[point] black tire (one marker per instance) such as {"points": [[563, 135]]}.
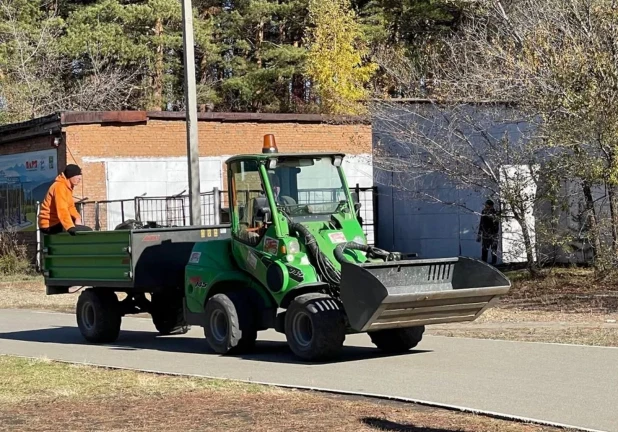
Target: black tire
{"points": [[315, 327], [167, 314], [397, 340], [229, 327], [98, 315]]}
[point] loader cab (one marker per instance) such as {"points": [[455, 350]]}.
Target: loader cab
{"points": [[269, 190], [308, 188]]}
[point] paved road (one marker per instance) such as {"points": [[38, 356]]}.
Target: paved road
{"points": [[571, 385]]}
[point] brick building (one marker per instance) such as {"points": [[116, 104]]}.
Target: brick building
{"points": [[126, 154]]}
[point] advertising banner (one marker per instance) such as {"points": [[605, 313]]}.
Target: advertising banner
{"points": [[24, 180]]}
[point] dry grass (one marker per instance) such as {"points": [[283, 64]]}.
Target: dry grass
{"points": [[29, 380], [502, 314], [87, 398], [579, 336], [29, 293]]}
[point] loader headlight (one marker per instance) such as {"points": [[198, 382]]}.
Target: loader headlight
{"points": [[359, 240], [293, 247]]}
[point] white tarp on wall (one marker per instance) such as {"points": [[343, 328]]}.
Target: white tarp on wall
{"points": [[513, 249], [161, 177], [128, 178]]}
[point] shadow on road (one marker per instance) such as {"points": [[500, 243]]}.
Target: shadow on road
{"points": [[131, 340], [387, 425]]}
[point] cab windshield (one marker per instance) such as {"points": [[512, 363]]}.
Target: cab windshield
{"points": [[307, 186]]}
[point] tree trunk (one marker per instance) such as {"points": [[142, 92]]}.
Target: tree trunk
{"points": [[298, 88], [591, 218], [554, 228], [299, 91], [259, 41], [613, 208], [157, 79], [531, 262]]}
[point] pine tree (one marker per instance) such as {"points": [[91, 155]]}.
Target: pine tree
{"points": [[144, 37], [260, 51], [251, 55], [404, 29], [29, 59]]}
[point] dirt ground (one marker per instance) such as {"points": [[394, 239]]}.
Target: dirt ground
{"points": [[565, 306], [40, 395]]}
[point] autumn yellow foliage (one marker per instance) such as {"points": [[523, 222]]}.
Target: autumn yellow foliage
{"points": [[336, 59]]}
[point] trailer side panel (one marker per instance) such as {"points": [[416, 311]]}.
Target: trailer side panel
{"points": [[87, 259]]}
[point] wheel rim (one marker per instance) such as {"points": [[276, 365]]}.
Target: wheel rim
{"points": [[302, 329], [218, 325], [88, 316]]}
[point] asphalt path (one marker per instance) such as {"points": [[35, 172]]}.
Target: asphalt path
{"points": [[561, 384]]}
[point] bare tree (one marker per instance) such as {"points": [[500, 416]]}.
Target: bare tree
{"points": [[488, 149], [37, 78], [558, 60]]}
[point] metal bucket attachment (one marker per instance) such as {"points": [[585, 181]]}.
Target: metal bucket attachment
{"points": [[410, 293]]}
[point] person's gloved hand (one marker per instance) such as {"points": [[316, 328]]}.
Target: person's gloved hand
{"points": [[72, 231]]}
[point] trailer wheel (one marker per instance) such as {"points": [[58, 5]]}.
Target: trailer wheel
{"points": [[397, 340], [230, 326], [98, 315], [314, 327], [167, 314]]}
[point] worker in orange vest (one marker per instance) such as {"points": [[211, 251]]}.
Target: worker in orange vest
{"points": [[58, 212]]}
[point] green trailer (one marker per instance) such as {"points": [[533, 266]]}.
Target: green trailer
{"points": [[138, 263], [294, 258]]}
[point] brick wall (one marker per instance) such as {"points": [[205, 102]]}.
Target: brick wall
{"points": [[156, 138], [167, 138]]}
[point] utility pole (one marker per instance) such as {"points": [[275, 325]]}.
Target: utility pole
{"points": [[193, 156]]}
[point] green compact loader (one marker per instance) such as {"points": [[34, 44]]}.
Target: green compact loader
{"points": [[294, 258]]}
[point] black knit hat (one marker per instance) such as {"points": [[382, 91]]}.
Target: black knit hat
{"points": [[72, 170]]}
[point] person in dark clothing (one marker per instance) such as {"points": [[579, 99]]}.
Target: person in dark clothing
{"points": [[489, 228]]}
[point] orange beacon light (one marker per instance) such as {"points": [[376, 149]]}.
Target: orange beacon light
{"points": [[269, 144]]}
